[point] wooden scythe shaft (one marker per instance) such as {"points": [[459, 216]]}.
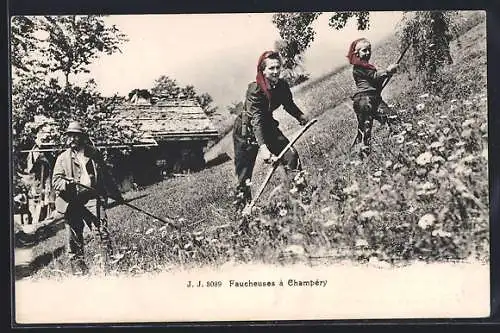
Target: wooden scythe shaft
{"points": [[397, 62], [132, 206], [276, 163]]}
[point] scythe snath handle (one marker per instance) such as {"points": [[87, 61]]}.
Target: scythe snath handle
{"points": [[128, 204], [275, 164], [397, 62]]}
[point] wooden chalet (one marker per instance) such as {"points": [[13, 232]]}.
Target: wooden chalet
{"points": [[175, 133]]}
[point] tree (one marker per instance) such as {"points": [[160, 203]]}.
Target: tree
{"points": [[429, 33], [23, 43], [73, 42], [205, 101], [141, 93], [296, 34], [339, 19], [235, 107], [43, 49], [168, 87], [188, 92], [293, 72], [165, 86]]}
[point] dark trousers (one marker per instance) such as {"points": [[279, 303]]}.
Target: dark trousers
{"points": [[76, 215], [367, 108], [245, 153]]}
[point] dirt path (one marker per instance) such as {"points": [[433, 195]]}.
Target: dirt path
{"points": [[351, 291]]}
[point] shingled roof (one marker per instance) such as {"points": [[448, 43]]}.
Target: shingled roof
{"points": [[169, 120]]}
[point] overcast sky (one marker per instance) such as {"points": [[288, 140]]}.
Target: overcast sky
{"points": [[216, 53]]}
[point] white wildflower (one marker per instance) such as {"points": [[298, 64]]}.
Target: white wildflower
{"points": [[484, 154], [397, 166], [466, 133], [329, 223], [441, 233], [436, 144], [360, 242], [437, 159], [469, 158], [325, 209], [369, 214], [463, 170], [420, 106], [399, 139], [484, 127], [386, 187], [295, 249], [468, 122], [424, 158], [426, 221], [456, 155], [408, 126], [351, 190], [297, 237], [426, 189]]}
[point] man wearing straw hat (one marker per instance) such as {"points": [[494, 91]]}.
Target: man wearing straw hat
{"points": [[82, 164]]}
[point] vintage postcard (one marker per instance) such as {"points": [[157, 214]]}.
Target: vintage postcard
{"points": [[247, 167]]}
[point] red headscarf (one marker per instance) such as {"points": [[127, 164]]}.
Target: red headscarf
{"points": [[261, 79], [354, 58]]}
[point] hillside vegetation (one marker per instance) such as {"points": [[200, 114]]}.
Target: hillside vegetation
{"points": [[421, 195]]}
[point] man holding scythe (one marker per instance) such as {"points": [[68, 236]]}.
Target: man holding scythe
{"points": [[82, 164]]}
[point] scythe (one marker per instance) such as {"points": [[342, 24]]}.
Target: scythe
{"points": [[248, 209]]}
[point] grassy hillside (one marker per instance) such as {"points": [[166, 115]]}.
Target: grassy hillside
{"points": [[422, 194]]}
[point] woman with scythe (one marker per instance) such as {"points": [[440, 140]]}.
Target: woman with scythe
{"points": [[255, 128]]}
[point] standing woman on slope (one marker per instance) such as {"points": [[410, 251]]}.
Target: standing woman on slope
{"points": [[367, 101], [255, 128]]}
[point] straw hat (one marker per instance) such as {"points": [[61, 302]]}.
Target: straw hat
{"points": [[75, 127]]}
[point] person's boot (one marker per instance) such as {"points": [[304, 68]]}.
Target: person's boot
{"points": [[364, 152], [243, 196]]}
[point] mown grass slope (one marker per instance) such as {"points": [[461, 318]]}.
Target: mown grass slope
{"points": [[421, 195]]}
